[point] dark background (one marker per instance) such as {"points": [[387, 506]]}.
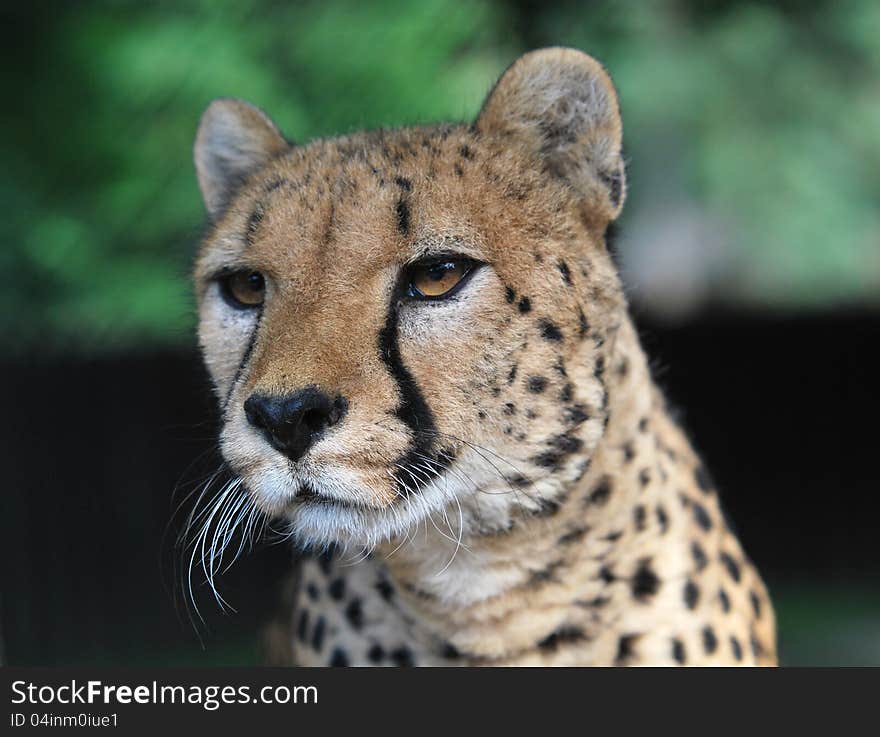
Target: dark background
{"points": [[750, 246]]}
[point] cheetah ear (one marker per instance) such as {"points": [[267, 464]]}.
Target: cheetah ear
{"points": [[561, 104], [235, 139]]}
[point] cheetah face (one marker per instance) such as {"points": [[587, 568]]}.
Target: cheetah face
{"points": [[408, 328]]}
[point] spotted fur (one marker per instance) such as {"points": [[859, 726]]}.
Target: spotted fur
{"points": [[507, 486]]}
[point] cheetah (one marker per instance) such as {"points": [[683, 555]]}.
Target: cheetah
{"points": [[428, 376]]}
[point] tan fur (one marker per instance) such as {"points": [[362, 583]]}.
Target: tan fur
{"points": [[573, 523]]}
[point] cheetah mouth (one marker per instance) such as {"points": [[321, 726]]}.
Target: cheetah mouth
{"points": [[306, 495]]}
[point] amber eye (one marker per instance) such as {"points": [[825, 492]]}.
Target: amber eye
{"points": [[243, 289], [437, 278]]}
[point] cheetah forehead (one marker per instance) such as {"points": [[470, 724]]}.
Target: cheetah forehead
{"points": [[542, 162]]}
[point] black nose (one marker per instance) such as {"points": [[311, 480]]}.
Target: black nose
{"points": [[292, 422]]}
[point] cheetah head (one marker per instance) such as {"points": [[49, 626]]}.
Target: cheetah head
{"points": [[409, 327]]}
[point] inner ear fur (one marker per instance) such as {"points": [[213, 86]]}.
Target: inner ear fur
{"points": [[234, 140], [562, 106]]}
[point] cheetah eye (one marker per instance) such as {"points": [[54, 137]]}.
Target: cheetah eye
{"points": [[243, 290], [438, 278]]}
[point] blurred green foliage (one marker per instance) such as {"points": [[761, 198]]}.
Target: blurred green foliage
{"points": [[766, 115]]}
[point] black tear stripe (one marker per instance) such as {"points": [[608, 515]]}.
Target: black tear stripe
{"points": [[246, 357], [414, 412]]}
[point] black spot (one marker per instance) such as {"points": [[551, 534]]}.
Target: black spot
{"points": [[313, 592], [562, 447], [724, 599], [701, 516], [404, 183], [731, 565], [613, 537], [549, 331], [614, 181], [601, 491], [402, 657], [401, 210], [699, 555], [678, 651], [736, 648], [274, 184], [547, 507], [339, 659], [318, 634], [376, 654], [644, 477], [325, 559], [567, 443], [757, 648], [625, 648], [644, 581], [639, 517], [509, 409], [607, 575], [628, 453], [566, 393], [512, 374], [524, 305], [421, 593], [354, 613], [704, 480], [509, 295], [662, 519], [575, 415], [450, 652], [385, 589], [710, 642], [537, 384], [519, 480], [459, 172], [599, 368], [466, 152], [573, 536], [583, 325], [756, 603], [337, 589], [598, 601], [565, 271], [546, 574], [560, 637], [691, 595], [643, 424], [302, 626], [256, 217]]}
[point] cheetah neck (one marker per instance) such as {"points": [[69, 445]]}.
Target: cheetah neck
{"points": [[571, 575]]}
